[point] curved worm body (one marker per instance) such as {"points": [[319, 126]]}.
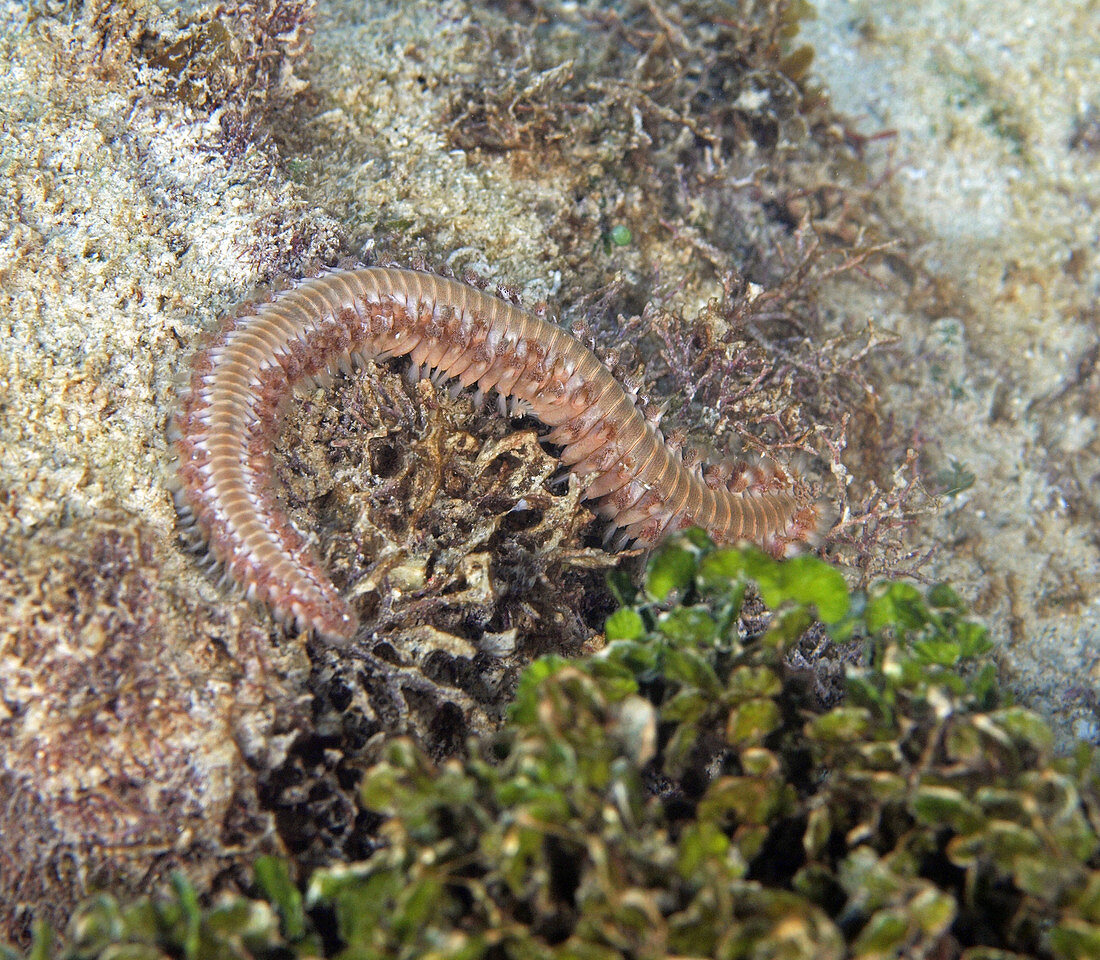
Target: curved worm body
{"points": [[229, 416]]}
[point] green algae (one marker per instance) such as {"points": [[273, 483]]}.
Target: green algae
{"points": [[684, 796]]}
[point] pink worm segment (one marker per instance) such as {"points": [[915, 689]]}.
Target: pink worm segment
{"points": [[229, 417]]}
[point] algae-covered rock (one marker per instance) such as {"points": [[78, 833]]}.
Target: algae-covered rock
{"points": [[666, 172], [123, 726]]}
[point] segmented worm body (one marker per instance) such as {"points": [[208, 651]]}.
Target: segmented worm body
{"points": [[228, 418]]}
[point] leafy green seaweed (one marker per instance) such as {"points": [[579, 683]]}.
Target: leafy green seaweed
{"points": [[682, 793]]}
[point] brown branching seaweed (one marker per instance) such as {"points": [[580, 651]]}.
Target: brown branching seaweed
{"points": [[712, 121]]}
